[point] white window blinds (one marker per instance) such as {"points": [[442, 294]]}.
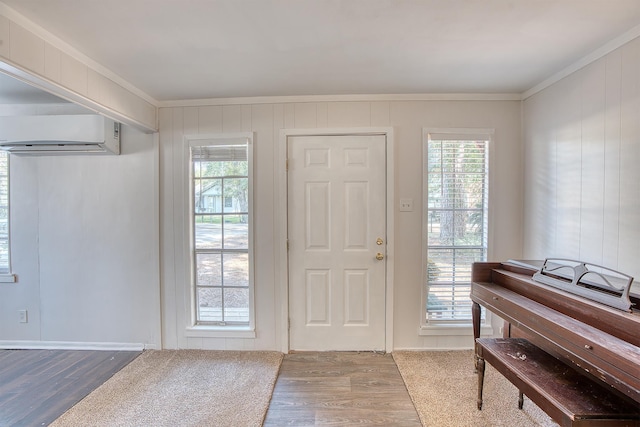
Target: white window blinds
{"points": [[220, 153], [456, 190]]}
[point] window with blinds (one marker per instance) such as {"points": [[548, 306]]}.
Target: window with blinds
{"points": [[4, 213], [455, 221], [221, 202]]}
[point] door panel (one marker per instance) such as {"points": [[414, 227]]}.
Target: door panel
{"points": [[357, 288], [317, 218], [336, 213], [318, 296]]}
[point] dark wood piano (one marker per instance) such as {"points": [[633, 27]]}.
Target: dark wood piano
{"points": [[576, 358]]}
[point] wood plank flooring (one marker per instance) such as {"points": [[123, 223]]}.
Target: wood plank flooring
{"points": [[313, 389], [37, 386], [340, 389]]}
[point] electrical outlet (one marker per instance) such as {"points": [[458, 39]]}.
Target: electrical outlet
{"points": [[22, 314], [406, 205]]}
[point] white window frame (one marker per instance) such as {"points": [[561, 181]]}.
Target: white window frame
{"points": [[452, 327], [5, 270], [216, 330]]}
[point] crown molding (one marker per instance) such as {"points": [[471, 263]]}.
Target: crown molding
{"points": [[342, 98], [585, 60], [74, 53]]}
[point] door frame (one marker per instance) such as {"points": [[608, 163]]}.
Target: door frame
{"points": [[281, 223]]}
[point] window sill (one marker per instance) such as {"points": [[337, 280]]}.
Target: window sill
{"points": [[220, 332], [8, 278], [442, 329]]}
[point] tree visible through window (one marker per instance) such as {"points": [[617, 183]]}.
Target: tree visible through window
{"points": [[221, 198], [456, 185]]}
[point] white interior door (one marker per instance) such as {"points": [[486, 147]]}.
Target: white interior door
{"points": [[337, 240]]}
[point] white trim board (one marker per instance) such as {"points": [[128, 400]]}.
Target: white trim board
{"points": [[342, 98], [68, 345], [24, 75], [438, 349]]}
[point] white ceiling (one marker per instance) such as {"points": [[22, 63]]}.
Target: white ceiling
{"points": [[189, 49]]}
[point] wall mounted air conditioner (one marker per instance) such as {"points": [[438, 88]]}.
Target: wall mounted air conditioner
{"points": [[59, 134]]}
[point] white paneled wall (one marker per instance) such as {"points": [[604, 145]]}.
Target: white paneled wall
{"points": [[582, 157], [84, 248], [408, 119]]}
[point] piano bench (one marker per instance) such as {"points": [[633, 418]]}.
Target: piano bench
{"points": [[568, 397]]}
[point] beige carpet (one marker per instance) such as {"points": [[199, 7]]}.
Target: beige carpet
{"points": [[182, 388], [443, 387]]}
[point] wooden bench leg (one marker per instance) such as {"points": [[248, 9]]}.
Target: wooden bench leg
{"points": [[480, 368], [520, 400]]}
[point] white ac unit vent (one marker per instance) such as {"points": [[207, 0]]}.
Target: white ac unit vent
{"points": [[59, 134]]}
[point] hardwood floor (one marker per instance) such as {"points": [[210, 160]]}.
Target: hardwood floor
{"points": [[37, 386], [340, 389], [313, 389]]}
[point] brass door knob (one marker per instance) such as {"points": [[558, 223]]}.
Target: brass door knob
{"points": [[379, 241], [379, 256]]}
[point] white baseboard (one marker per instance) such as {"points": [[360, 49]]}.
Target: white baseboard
{"points": [[65, 345], [432, 349]]}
